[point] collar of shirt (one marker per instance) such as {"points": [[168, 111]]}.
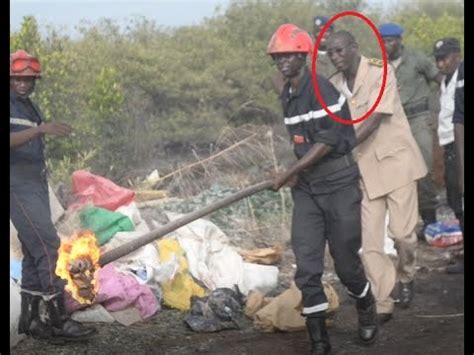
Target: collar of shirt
{"points": [[305, 81], [345, 89], [17, 97], [451, 82]]}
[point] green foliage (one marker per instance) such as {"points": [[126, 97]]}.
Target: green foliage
{"points": [[132, 93], [63, 169], [265, 207], [28, 38], [107, 97], [425, 22]]}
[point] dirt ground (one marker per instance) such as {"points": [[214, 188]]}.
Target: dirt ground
{"points": [[434, 324]]}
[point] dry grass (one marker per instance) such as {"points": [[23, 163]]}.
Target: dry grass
{"points": [[241, 156]]}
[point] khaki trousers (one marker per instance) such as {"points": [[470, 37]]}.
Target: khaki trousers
{"points": [[402, 207]]}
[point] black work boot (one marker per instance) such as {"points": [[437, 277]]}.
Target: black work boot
{"points": [[30, 321], [407, 292], [367, 312], [318, 333], [63, 326]]}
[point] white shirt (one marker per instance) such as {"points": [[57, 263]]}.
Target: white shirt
{"points": [[445, 118]]}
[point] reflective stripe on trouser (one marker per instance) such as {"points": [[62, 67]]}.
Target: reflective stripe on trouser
{"points": [[334, 217], [423, 135], [31, 215], [402, 208]]}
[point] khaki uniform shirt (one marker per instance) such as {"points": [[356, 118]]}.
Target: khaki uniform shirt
{"points": [[389, 158], [414, 73]]}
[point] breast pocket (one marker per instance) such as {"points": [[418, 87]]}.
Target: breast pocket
{"points": [[390, 151], [358, 107]]}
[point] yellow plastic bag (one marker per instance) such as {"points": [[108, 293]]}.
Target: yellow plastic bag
{"points": [[177, 293]]}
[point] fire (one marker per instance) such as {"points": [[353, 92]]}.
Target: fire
{"points": [[78, 264]]}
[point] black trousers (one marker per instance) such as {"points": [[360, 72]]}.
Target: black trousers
{"points": [[453, 194], [335, 217], [30, 213]]}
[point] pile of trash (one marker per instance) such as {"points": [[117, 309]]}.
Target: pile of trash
{"points": [[193, 269]]}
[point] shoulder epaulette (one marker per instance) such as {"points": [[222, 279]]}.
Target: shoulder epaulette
{"points": [[376, 62]]}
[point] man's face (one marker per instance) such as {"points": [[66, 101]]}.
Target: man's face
{"points": [[392, 46], [447, 64], [341, 52], [289, 64], [316, 30], [22, 85]]}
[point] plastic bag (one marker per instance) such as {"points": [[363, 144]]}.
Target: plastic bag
{"points": [[105, 224], [443, 234], [177, 292], [98, 190]]}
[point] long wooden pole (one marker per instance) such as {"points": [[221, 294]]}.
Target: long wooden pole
{"points": [[129, 247]]}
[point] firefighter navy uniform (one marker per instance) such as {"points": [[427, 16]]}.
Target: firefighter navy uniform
{"points": [[29, 204], [327, 196]]}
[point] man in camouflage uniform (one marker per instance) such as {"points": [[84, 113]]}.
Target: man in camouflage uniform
{"points": [[414, 72]]}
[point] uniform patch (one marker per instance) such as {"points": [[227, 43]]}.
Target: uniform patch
{"points": [[376, 62], [298, 139]]}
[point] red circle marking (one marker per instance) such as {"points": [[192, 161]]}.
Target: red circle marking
{"points": [[313, 67]]}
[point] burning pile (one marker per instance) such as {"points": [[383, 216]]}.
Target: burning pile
{"points": [[78, 264]]}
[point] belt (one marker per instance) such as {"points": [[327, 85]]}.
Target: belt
{"points": [[329, 167], [414, 109]]}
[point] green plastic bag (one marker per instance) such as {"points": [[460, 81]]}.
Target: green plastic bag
{"points": [[104, 223]]}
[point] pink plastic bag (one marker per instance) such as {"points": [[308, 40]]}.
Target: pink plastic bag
{"points": [[98, 190], [118, 291]]}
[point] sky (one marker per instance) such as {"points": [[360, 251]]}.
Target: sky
{"points": [[68, 13]]}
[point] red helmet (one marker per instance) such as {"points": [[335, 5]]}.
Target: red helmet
{"points": [[23, 64], [289, 38]]}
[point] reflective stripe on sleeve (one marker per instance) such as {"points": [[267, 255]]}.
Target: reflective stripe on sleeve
{"points": [[22, 122]]}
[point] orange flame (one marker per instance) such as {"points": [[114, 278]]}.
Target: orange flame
{"points": [[78, 264]]}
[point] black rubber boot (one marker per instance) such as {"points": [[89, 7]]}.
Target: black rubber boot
{"points": [[30, 321], [367, 312], [318, 333], [64, 328]]}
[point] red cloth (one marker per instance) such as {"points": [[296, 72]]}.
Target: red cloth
{"points": [[101, 192]]}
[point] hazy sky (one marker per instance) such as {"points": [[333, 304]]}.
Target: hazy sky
{"points": [[68, 13]]}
